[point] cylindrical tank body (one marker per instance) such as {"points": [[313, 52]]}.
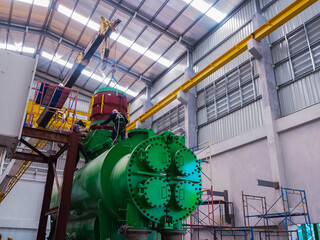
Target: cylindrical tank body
{"points": [[104, 101], [147, 181]]}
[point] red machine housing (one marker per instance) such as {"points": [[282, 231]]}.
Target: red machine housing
{"points": [[105, 100]]}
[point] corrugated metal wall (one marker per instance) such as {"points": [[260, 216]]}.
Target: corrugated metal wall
{"points": [[276, 6], [296, 58], [235, 123], [172, 121], [229, 101]]}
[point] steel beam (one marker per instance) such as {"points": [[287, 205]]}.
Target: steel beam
{"points": [[288, 13], [265, 183], [45, 135], [68, 43], [29, 157], [148, 22], [33, 148]]}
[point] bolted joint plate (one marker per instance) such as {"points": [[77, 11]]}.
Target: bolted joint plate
{"points": [[157, 166]]}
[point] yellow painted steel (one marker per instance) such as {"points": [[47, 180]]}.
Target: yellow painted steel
{"points": [[37, 110], [90, 108], [102, 104], [129, 112], [284, 16]]}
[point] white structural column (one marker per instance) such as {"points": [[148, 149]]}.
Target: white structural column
{"points": [[146, 105], [271, 110], [188, 99]]}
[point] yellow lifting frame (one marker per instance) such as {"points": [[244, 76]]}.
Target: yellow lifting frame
{"points": [[268, 27]]}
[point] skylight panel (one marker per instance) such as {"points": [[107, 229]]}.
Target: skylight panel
{"points": [[121, 88], [152, 55], [203, 7], [28, 49], [79, 18], [97, 77], [93, 25], [64, 10], [47, 55], [13, 47], [17, 48], [114, 35], [86, 73], [138, 48], [165, 62], [56, 59], [41, 3], [124, 41], [132, 93], [216, 15]]}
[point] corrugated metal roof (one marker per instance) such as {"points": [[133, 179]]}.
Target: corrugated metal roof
{"points": [[158, 31]]}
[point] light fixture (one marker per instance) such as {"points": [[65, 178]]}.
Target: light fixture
{"points": [[203, 7], [41, 3]]}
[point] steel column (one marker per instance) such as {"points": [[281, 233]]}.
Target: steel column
{"points": [[46, 201], [63, 212]]}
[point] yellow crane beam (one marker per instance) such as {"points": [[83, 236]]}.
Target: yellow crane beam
{"points": [[268, 27]]}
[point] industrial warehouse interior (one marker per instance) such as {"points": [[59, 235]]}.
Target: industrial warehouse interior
{"points": [[159, 119]]}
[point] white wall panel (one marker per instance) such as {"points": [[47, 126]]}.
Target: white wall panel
{"points": [[235, 123]]}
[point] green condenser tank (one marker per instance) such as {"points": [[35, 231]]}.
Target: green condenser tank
{"points": [[141, 188]]}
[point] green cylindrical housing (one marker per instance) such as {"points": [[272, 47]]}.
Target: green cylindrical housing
{"points": [[144, 182]]}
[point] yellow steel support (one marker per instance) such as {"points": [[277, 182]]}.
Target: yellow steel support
{"points": [[37, 110], [102, 104], [90, 108], [284, 16], [129, 112]]}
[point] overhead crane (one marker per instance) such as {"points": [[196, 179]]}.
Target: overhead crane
{"points": [[106, 28], [268, 27]]}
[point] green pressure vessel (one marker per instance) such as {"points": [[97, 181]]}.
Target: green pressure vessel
{"points": [[145, 183]]}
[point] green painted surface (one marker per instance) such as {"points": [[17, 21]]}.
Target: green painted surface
{"points": [[316, 229], [138, 183], [109, 89], [97, 142]]}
